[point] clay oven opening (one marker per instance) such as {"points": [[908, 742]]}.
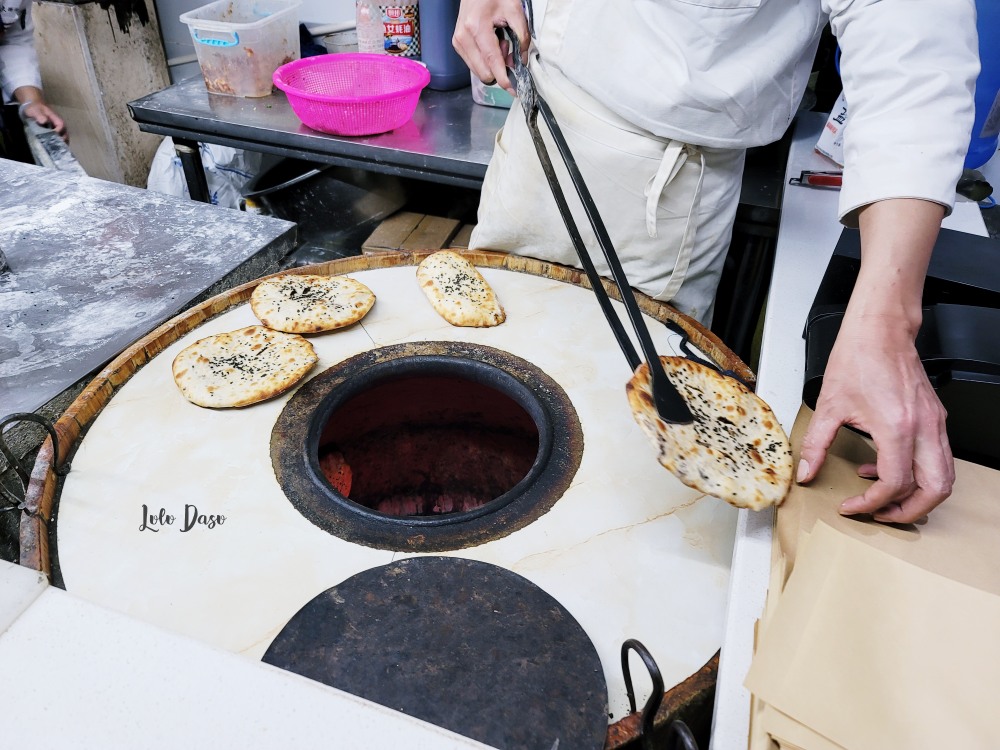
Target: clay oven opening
{"points": [[422, 445], [427, 446]]}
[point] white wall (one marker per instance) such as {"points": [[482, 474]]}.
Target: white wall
{"points": [[326, 11]]}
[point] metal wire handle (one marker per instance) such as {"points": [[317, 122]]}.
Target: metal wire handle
{"points": [[23, 472], [690, 353], [679, 735]]}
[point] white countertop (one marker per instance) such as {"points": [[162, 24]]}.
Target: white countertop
{"points": [[807, 235]]}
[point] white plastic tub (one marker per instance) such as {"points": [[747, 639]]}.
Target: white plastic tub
{"points": [[345, 40], [490, 96], [240, 43]]}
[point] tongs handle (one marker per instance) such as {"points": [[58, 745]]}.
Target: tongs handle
{"points": [[669, 403]]}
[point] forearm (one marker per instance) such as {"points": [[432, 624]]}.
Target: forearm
{"points": [[28, 95], [909, 70], [897, 237]]}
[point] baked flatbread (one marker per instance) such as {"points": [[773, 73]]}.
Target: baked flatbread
{"points": [[242, 367], [303, 303], [734, 450], [458, 291], [336, 470]]}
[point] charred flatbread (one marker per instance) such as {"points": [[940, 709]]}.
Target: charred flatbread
{"points": [[242, 367], [307, 303], [458, 292], [734, 450]]}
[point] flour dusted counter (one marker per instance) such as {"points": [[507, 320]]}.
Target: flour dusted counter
{"points": [[94, 265]]}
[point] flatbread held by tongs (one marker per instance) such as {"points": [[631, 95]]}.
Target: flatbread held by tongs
{"points": [[734, 450]]}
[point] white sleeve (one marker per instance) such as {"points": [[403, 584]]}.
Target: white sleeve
{"points": [[18, 61], [909, 69]]}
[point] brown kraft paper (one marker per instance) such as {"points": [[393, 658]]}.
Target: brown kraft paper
{"points": [[880, 636]]}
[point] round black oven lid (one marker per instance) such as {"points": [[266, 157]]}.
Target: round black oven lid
{"points": [[462, 644]]}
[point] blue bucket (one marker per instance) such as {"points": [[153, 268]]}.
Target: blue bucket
{"points": [[986, 127]]}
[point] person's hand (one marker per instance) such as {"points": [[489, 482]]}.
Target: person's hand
{"points": [[874, 380], [477, 43], [33, 106], [45, 116]]}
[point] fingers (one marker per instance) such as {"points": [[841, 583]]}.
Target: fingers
{"points": [[58, 124], [933, 479], [476, 42], [914, 472], [868, 471], [815, 443], [45, 116], [519, 25], [894, 469], [913, 476]]}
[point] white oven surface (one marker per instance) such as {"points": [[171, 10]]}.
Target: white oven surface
{"points": [[628, 550]]}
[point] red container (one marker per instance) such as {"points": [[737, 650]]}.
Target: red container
{"points": [[353, 94]]}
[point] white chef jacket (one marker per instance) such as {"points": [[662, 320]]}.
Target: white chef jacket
{"points": [[731, 74], [18, 61]]}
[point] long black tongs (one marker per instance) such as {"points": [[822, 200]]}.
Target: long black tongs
{"points": [[669, 403]]}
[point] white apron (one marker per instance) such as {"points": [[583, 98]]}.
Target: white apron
{"points": [[668, 206]]}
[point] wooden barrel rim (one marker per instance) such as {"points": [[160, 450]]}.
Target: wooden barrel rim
{"points": [[41, 497]]}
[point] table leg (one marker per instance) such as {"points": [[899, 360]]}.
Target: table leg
{"points": [[194, 170]]}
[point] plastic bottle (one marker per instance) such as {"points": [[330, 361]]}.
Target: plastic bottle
{"points": [[437, 26], [401, 28], [987, 124], [371, 34]]}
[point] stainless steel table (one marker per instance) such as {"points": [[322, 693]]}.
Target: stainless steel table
{"points": [[449, 140], [95, 265]]}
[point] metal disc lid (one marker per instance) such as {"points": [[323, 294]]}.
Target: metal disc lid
{"points": [[463, 644]]}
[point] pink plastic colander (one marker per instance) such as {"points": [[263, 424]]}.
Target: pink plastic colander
{"points": [[352, 94]]}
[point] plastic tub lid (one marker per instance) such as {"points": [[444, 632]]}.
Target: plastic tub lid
{"points": [[264, 11]]}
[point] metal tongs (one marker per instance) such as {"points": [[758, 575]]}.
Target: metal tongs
{"points": [[670, 405]]}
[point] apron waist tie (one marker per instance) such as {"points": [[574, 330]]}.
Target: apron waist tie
{"points": [[674, 158]]}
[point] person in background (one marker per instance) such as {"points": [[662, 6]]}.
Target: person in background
{"points": [[659, 101], [20, 79]]}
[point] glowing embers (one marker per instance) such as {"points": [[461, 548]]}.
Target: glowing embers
{"points": [[427, 446], [421, 445]]}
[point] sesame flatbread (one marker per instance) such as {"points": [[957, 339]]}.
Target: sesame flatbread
{"points": [[458, 292], [306, 303], [734, 450], [242, 367]]}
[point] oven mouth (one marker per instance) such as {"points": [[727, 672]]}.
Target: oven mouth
{"points": [[427, 446], [391, 382]]}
